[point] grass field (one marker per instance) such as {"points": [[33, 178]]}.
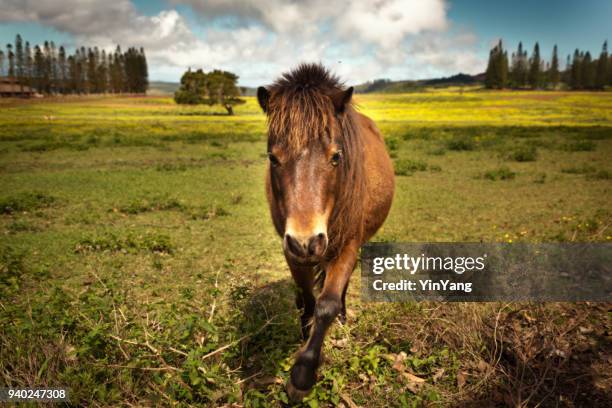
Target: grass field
{"points": [[138, 264]]}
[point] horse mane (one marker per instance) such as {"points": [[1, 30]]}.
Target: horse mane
{"points": [[301, 111]]}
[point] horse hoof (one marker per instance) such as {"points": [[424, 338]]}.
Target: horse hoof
{"points": [[342, 318], [295, 394]]}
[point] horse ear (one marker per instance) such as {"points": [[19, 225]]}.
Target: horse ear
{"points": [[263, 96], [341, 99]]}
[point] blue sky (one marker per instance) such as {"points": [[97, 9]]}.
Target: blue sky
{"points": [[259, 39]]}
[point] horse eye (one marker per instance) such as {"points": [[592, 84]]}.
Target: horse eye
{"points": [[273, 159], [336, 158]]}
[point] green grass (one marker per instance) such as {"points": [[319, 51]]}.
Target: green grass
{"points": [[138, 263]]}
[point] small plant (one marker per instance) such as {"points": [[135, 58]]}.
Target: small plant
{"points": [[502, 173], [525, 153], [392, 143], [584, 169], [131, 243], [155, 204], [438, 151], [579, 146], [461, 143], [600, 175], [406, 167], [25, 202]]}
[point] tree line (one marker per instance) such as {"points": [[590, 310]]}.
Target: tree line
{"points": [[51, 70], [214, 87], [521, 71]]}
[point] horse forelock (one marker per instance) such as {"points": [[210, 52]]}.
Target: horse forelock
{"points": [[300, 109]]}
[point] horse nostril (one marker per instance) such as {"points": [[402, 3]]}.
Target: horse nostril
{"points": [[317, 244], [294, 245]]}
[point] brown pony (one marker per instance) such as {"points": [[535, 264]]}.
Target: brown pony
{"points": [[330, 186]]}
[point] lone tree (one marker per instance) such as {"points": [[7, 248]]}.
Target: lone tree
{"points": [[214, 88]]}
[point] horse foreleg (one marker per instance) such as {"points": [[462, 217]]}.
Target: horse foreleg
{"points": [[342, 316], [328, 305], [304, 298]]}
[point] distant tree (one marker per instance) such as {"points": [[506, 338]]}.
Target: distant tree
{"points": [[53, 71], [576, 71], [535, 67], [62, 69], [610, 70], [91, 71], [553, 71], [29, 62], [1, 63], [11, 60], [102, 74], [588, 71], [601, 76], [496, 75], [518, 71], [39, 69], [215, 87], [46, 76], [19, 60], [193, 88]]}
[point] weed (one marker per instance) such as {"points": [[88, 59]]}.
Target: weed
{"points": [[599, 175], [406, 167], [27, 201], [579, 146], [501, 173], [461, 143], [130, 243], [525, 153], [583, 169]]}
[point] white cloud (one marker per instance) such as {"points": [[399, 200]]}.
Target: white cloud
{"points": [[359, 39]]}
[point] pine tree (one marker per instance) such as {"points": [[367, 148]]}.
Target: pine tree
{"points": [[601, 77], [496, 76], [588, 71], [553, 71], [610, 70], [62, 70], [534, 68], [11, 60], [39, 69], [490, 80], [46, 77], [19, 60], [1, 63], [28, 64], [518, 72], [53, 68], [576, 71], [72, 75]]}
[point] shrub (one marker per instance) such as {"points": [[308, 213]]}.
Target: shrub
{"points": [[461, 142], [579, 146], [584, 169], [600, 175], [502, 173], [130, 243], [404, 167], [525, 154], [392, 143], [27, 201]]}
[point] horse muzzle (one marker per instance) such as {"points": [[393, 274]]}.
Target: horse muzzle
{"points": [[305, 248]]}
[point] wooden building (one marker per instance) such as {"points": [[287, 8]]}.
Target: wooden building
{"points": [[10, 87]]}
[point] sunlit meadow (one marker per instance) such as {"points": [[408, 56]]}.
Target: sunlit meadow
{"points": [[138, 264]]}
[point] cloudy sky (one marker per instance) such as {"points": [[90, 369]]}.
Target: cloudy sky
{"points": [[359, 39]]}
